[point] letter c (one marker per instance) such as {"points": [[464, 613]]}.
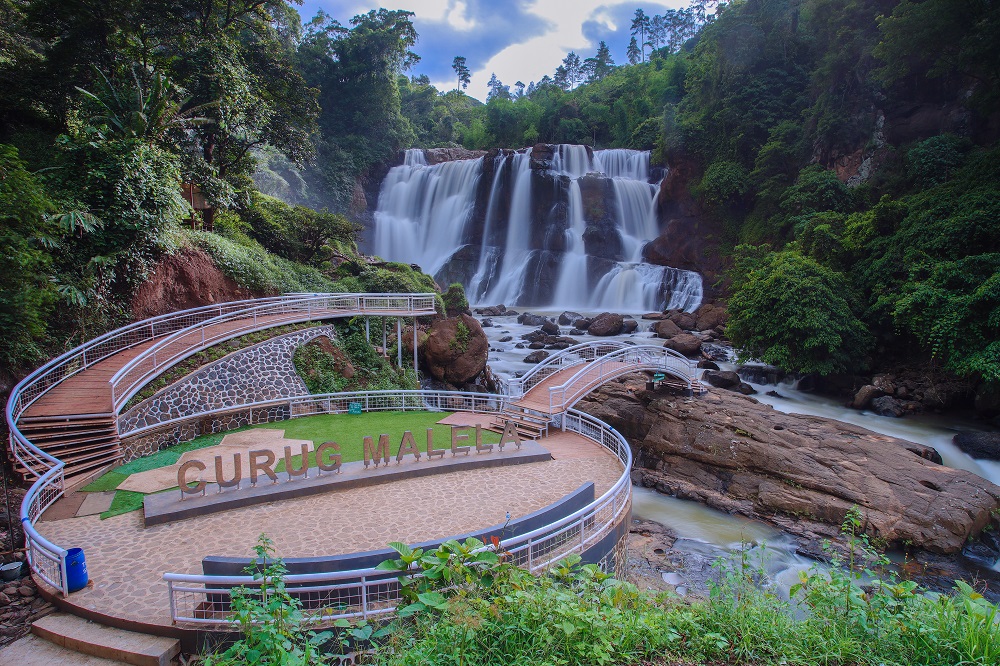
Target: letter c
{"points": [[182, 477]]}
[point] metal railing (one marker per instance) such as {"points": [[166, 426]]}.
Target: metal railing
{"points": [[202, 334], [618, 363], [363, 593], [566, 358], [49, 560], [339, 403]]}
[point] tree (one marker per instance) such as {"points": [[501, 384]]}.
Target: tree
{"points": [[573, 68], [519, 90], [600, 65], [792, 312], [640, 27], [633, 52], [497, 89], [464, 77]]}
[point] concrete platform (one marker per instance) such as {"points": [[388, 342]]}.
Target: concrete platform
{"points": [[169, 506], [80, 635]]}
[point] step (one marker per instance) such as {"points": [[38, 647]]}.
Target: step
{"points": [[52, 434], [62, 419], [34, 651], [80, 635], [501, 421]]}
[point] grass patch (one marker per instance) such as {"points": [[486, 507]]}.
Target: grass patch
{"points": [[124, 501], [106, 482]]}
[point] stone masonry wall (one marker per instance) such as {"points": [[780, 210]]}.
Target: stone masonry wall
{"points": [[262, 372]]}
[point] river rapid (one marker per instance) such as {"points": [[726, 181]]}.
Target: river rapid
{"points": [[704, 534]]}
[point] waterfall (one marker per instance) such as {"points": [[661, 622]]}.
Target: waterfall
{"points": [[532, 249], [422, 210], [571, 288], [517, 251]]}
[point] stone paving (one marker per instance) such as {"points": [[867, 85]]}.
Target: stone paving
{"points": [[126, 561]]}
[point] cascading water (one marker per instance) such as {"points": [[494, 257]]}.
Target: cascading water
{"points": [[521, 252], [422, 210]]}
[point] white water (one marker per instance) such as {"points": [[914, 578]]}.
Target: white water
{"points": [[422, 210], [423, 213]]}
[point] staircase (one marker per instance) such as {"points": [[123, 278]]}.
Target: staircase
{"points": [[78, 635], [85, 442], [530, 424]]}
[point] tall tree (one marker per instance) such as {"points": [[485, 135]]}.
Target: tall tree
{"points": [[600, 65], [574, 69], [462, 71], [497, 89], [633, 52], [640, 27], [519, 90]]}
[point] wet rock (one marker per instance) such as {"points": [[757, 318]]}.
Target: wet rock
{"points": [[654, 316], [605, 324], [506, 338], [577, 331], [725, 450], [493, 311], [979, 444], [550, 327], [761, 374], [666, 329], [686, 320], [685, 343], [888, 406], [716, 352], [722, 379], [710, 316], [536, 356], [746, 389], [567, 318], [531, 319], [708, 365], [583, 323], [885, 383], [486, 323], [536, 345], [558, 345], [629, 325], [981, 553], [865, 395]]}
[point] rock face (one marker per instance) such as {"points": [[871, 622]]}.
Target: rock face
{"points": [[606, 323], [666, 329], [438, 155], [188, 279], [803, 473], [452, 357]]}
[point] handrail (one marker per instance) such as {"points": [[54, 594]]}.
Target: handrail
{"points": [[635, 358], [298, 406], [150, 362], [574, 355], [47, 559], [198, 599]]}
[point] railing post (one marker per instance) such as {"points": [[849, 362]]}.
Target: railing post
{"points": [[173, 604], [364, 597]]}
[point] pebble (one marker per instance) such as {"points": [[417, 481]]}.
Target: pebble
{"points": [[26, 591], [4, 599]]}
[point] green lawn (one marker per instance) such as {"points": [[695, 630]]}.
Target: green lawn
{"points": [[346, 429]]}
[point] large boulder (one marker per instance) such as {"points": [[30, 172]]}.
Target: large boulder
{"points": [[536, 356], [685, 343], [606, 323], [686, 320], [531, 319], [568, 318], [865, 395], [723, 379], [803, 473], [888, 406], [455, 350], [979, 444], [666, 329], [710, 316], [629, 325], [550, 327]]}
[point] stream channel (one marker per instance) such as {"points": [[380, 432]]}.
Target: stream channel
{"points": [[704, 534]]}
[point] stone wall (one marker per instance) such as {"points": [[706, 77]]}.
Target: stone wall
{"points": [[256, 374], [167, 436]]}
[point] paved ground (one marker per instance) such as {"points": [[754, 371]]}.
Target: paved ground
{"points": [[34, 651], [126, 561]]}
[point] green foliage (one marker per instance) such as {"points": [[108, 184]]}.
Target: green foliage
{"points": [[322, 372], [792, 312], [298, 233], [26, 295], [461, 340], [455, 300], [934, 160], [270, 619]]}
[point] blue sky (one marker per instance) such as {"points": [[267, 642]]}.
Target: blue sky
{"points": [[518, 39]]}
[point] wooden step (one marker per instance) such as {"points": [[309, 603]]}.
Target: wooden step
{"points": [[77, 443], [75, 633], [30, 421], [60, 433], [502, 420]]}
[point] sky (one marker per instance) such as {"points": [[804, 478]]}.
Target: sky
{"points": [[519, 40]]}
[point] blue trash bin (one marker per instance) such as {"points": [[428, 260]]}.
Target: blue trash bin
{"points": [[76, 570]]}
